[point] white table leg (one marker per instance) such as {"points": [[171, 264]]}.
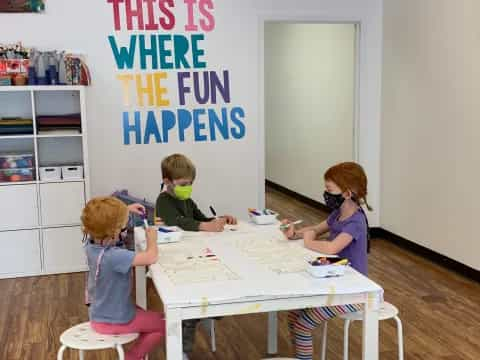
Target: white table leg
{"points": [[209, 325], [272, 333], [173, 341], [370, 332], [141, 286]]}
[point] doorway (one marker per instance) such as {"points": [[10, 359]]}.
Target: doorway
{"points": [[310, 101]]}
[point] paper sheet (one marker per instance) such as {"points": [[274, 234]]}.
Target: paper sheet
{"points": [[193, 262], [275, 252]]}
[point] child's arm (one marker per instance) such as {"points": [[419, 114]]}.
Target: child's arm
{"points": [[327, 247], [319, 229], [136, 208], [216, 225], [199, 215], [150, 255], [292, 233], [206, 223]]}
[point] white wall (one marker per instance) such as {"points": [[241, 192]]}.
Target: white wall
{"points": [[309, 102], [430, 127], [230, 173], [369, 15]]}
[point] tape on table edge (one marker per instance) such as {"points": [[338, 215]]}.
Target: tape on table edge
{"points": [[332, 291], [204, 305], [250, 309]]}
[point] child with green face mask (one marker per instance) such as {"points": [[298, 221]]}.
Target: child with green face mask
{"points": [[175, 207]]}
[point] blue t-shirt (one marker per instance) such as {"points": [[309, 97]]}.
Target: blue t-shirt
{"points": [[110, 295], [356, 226]]}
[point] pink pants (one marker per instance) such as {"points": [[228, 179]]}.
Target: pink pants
{"points": [[150, 325]]}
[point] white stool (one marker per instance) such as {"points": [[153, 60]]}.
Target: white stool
{"points": [[387, 311], [82, 337]]}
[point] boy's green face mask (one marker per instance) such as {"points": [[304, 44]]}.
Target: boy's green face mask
{"points": [[183, 192]]}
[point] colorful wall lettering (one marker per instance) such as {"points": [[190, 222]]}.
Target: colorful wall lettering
{"points": [[154, 53]]}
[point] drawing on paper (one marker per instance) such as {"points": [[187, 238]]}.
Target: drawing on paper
{"points": [[190, 263], [276, 253]]}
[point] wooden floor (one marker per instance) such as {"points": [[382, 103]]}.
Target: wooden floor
{"points": [[440, 311]]}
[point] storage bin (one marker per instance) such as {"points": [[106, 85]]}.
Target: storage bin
{"points": [[73, 172], [50, 173], [327, 269], [263, 217], [15, 175], [16, 161], [169, 234]]}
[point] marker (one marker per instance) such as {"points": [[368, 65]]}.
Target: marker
{"points": [[214, 213], [341, 262], [145, 221], [163, 230], [286, 226], [254, 212]]}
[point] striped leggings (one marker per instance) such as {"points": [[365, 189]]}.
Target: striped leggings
{"points": [[302, 322]]}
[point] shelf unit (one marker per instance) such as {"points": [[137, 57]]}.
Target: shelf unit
{"points": [[40, 229]]}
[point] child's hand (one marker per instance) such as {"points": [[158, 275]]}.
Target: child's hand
{"points": [[216, 225], [159, 221], [290, 231], [230, 219], [138, 209], [150, 255], [152, 234]]}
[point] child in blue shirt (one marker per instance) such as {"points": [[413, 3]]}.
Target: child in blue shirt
{"points": [[112, 310]]}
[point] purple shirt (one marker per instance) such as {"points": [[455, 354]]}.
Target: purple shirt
{"points": [[356, 226]]}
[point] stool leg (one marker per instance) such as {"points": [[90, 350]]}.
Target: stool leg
{"points": [[81, 354], [60, 352], [324, 340], [400, 337], [346, 329], [121, 354], [212, 335]]}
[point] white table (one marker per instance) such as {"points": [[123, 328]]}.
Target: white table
{"points": [[257, 289]]}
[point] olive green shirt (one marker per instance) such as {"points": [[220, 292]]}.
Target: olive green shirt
{"points": [[182, 213]]}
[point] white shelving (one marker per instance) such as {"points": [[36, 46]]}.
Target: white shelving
{"points": [[40, 220], [58, 136], [7, 137]]}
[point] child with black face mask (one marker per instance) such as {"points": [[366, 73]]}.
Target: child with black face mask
{"points": [[345, 193]]}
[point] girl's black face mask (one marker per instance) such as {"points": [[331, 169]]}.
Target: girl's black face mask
{"points": [[333, 201]]}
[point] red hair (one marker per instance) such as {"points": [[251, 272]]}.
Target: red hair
{"points": [[104, 217], [350, 176]]}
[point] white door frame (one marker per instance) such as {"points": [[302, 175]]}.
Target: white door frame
{"points": [[306, 19]]}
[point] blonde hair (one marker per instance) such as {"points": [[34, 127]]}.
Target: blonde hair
{"points": [[104, 217], [178, 166]]}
